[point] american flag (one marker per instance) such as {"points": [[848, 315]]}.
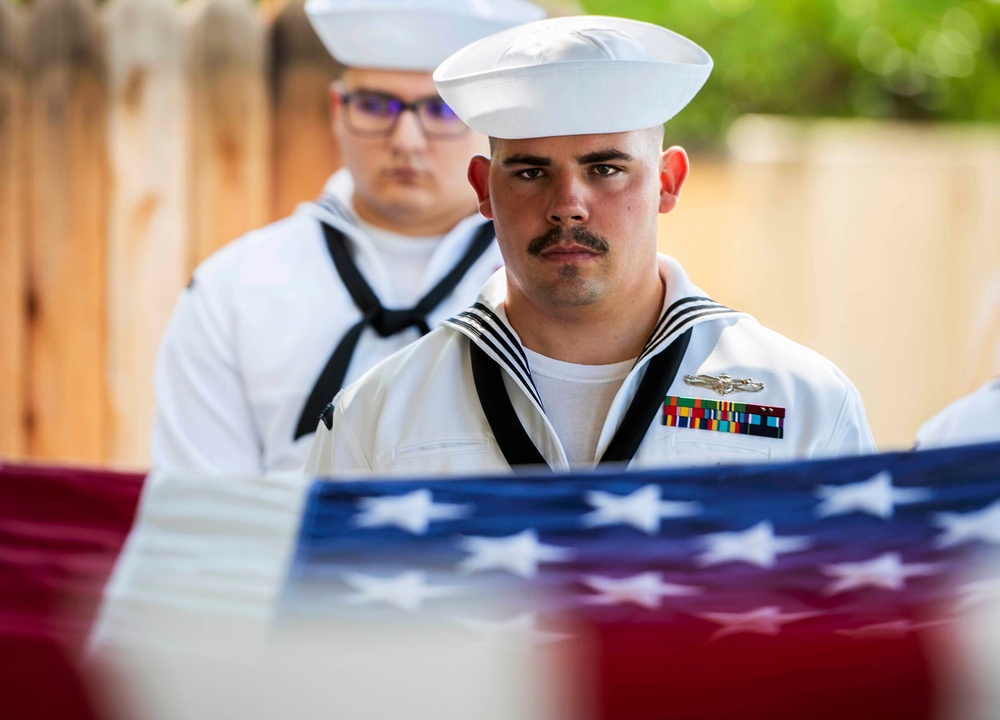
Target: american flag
{"points": [[830, 588], [860, 587]]}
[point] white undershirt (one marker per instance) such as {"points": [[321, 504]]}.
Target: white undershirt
{"points": [[576, 399], [406, 259]]}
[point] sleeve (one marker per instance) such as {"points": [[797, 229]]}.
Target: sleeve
{"points": [[203, 421], [336, 451], [931, 433], [851, 435], [973, 418]]}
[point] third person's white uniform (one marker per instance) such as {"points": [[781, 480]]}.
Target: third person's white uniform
{"points": [[974, 418]]}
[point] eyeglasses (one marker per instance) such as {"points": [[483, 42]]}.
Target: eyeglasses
{"points": [[376, 114]]}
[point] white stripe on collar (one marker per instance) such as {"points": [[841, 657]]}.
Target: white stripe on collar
{"points": [[485, 323]]}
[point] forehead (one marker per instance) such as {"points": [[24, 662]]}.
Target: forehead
{"points": [[569, 148], [403, 84]]}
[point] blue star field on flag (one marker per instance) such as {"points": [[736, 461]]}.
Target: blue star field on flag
{"points": [[855, 546]]}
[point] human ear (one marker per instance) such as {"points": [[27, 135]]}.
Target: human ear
{"points": [[674, 166], [479, 178]]}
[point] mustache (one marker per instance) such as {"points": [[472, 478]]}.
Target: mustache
{"points": [[558, 235]]}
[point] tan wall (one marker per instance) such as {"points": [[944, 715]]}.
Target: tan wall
{"points": [[136, 137], [876, 244]]}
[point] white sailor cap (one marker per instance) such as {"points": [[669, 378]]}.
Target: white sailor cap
{"points": [[410, 34], [577, 75]]}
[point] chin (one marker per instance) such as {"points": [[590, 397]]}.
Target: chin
{"points": [[407, 207], [405, 197], [572, 292]]}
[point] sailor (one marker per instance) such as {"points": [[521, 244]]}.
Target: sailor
{"points": [[588, 347], [276, 322], [973, 418]]}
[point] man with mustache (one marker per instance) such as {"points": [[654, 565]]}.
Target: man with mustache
{"points": [[275, 323], [588, 346]]}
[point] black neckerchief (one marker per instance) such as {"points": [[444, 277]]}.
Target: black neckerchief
{"points": [[517, 447], [385, 322]]}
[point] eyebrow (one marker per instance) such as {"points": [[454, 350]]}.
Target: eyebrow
{"points": [[599, 156], [370, 91], [387, 94], [537, 160]]}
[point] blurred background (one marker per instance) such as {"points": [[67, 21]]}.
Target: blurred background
{"points": [[845, 188]]}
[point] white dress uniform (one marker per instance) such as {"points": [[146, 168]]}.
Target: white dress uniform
{"points": [[259, 322], [972, 419], [424, 411]]}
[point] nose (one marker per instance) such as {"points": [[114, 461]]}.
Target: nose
{"points": [[408, 137], [568, 204]]}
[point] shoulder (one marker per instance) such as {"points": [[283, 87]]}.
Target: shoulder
{"points": [[972, 418], [264, 256], [824, 412], [421, 402], [745, 342], [424, 388], [740, 341], [425, 367]]}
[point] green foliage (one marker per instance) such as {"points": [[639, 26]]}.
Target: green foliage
{"points": [[905, 59]]}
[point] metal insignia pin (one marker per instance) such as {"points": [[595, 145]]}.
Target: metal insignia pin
{"points": [[724, 384]]}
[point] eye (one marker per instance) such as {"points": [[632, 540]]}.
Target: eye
{"points": [[380, 105], [530, 173], [606, 170], [438, 109]]}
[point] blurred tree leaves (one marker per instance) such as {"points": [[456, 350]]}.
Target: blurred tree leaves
{"points": [[905, 59]]}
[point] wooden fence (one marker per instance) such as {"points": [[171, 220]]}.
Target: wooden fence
{"points": [[139, 136], [135, 139]]}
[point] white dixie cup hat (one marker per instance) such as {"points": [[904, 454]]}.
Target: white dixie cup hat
{"points": [[410, 34], [577, 75]]}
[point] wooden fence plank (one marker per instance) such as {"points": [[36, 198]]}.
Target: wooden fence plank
{"points": [[13, 245], [68, 216], [230, 123], [147, 226], [304, 150]]}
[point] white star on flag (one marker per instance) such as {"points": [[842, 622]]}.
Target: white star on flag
{"points": [[645, 589], [641, 509], [757, 545], [763, 621], [886, 572], [519, 554], [412, 512], [407, 591], [978, 593], [518, 633], [875, 496], [964, 527]]}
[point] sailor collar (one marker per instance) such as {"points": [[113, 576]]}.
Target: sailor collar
{"points": [[486, 324], [334, 207]]}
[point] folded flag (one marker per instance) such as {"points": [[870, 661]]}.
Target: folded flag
{"points": [[864, 587], [806, 589], [61, 530]]}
